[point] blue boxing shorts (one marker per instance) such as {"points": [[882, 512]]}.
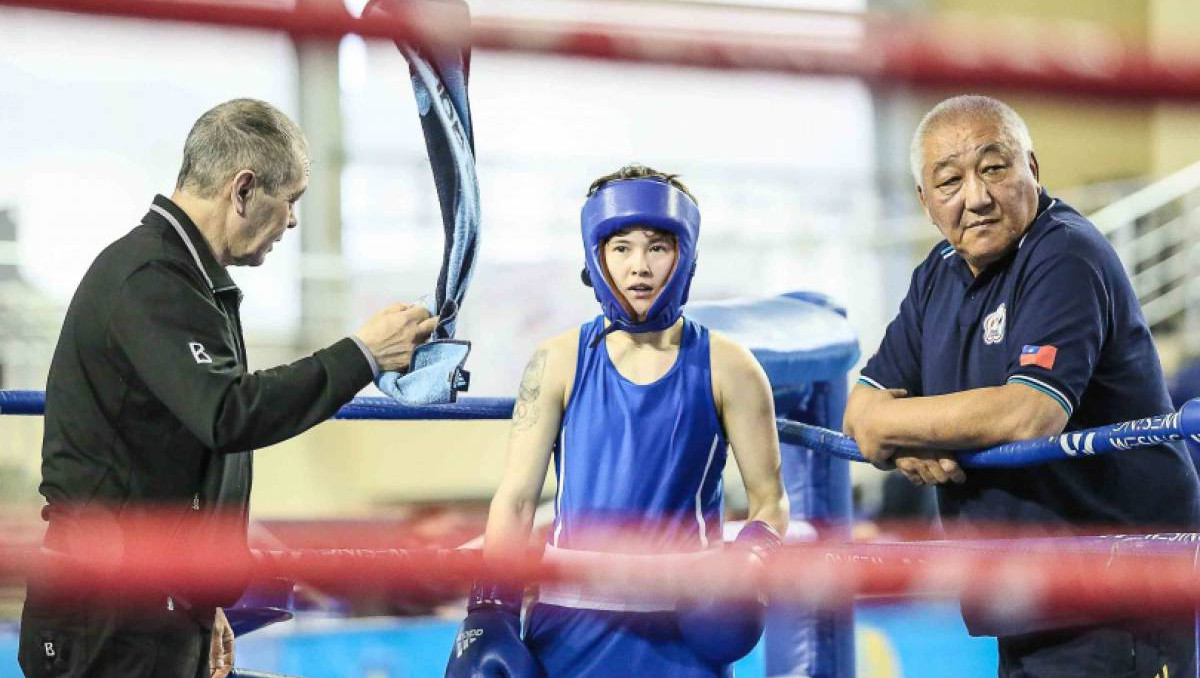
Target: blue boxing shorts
{"points": [[585, 631], [584, 643]]}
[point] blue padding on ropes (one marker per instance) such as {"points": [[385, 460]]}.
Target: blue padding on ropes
{"points": [[799, 338]]}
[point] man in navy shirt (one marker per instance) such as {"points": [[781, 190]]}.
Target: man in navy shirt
{"points": [[1022, 323]]}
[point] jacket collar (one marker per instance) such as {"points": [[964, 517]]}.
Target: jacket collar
{"points": [[170, 216]]}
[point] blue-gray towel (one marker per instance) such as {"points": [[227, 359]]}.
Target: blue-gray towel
{"points": [[439, 77]]}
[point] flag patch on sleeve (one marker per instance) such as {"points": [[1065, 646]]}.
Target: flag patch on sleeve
{"points": [[1042, 356]]}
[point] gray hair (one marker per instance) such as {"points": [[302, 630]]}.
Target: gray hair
{"points": [[967, 106], [237, 135]]}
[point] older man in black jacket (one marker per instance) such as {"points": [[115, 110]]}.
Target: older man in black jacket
{"points": [[151, 411]]}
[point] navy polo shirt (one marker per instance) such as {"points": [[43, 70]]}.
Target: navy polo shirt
{"points": [[1058, 314]]}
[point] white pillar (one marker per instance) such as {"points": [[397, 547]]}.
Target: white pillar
{"points": [[324, 281]]}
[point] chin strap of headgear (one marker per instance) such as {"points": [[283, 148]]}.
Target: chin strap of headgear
{"points": [[646, 203]]}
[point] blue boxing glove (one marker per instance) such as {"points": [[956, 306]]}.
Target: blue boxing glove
{"points": [[488, 644], [722, 631]]}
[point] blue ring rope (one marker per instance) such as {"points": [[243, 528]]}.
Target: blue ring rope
{"points": [[1174, 426], [1156, 430], [379, 408]]}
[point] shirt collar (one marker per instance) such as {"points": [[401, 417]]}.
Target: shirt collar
{"points": [[171, 216], [1045, 202]]}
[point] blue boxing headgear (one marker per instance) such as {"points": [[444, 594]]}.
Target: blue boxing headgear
{"points": [[649, 203]]}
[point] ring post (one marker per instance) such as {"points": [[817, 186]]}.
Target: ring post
{"points": [[807, 348]]}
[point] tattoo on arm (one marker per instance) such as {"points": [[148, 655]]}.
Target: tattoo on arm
{"points": [[525, 415]]}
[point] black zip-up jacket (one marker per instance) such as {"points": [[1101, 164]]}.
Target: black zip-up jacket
{"points": [[149, 406]]}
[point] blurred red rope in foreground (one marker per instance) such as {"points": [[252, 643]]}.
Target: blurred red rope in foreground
{"points": [[1043, 56], [1117, 575]]}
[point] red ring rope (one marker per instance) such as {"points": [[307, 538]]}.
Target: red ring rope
{"points": [[1060, 58]]}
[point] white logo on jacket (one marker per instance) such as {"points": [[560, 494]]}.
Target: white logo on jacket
{"points": [[993, 326], [465, 639], [202, 357]]}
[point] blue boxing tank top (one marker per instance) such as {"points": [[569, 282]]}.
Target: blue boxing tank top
{"points": [[640, 461]]}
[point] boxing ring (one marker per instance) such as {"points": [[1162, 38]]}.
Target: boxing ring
{"points": [[805, 346]]}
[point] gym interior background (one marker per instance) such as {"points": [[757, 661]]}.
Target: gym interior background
{"points": [[803, 180]]}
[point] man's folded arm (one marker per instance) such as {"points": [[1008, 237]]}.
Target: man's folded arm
{"points": [[973, 419]]}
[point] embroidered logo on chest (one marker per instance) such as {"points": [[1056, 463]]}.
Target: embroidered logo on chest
{"points": [[993, 326]]}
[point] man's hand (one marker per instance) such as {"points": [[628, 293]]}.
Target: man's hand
{"points": [[858, 423], [395, 332], [928, 467], [220, 653]]}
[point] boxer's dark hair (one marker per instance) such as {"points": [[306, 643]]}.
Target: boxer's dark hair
{"points": [[636, 171]]}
